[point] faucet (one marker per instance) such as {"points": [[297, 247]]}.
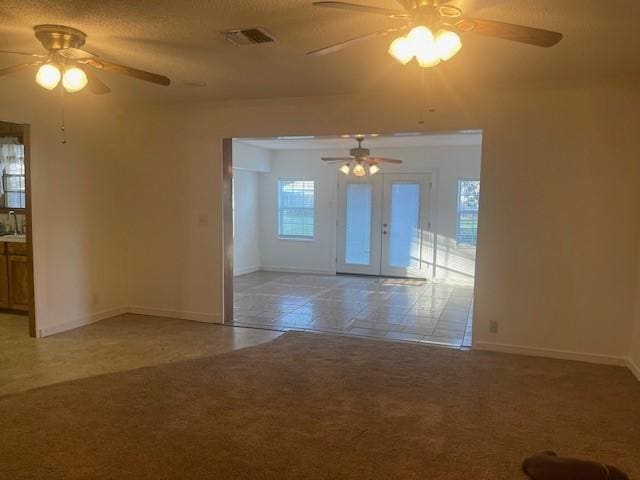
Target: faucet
{"points": [[15, 221]]}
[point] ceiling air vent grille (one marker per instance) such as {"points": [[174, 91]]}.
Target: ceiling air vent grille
{"points": [[248, 36]]}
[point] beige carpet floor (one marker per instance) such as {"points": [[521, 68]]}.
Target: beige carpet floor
{"points": [[311, 406]]}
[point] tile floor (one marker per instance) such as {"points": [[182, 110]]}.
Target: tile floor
{"points": [[399, 309], [113, 345]]}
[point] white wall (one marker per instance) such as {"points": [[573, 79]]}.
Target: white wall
{"points": [[446, 163], [634, 357], [250, 157], [248, 162], [130, 208], [308, 256], [634, 354], [79, 224], [557, 251], [246, 235]]}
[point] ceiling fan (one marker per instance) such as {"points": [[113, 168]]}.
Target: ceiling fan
{"points": [[433, 30], [361, 160], [68, 64]]}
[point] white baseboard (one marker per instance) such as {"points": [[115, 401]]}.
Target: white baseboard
{"points": [[273, 268], [194, 316], [550, 353], [635, 369], [245, 270], [114, 312], [81, 322]]}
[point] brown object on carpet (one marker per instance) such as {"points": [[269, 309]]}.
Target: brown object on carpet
{"points": [[549, 466], [312, 406]]}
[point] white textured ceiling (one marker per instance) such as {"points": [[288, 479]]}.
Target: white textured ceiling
{"points": [[400, 140], [181, 39]]}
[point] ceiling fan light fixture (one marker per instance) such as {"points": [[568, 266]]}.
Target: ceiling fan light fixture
{"points": [[402, 50], [373, 169], [359, 171], [420, 36], [427, 56], [48, 76], [448, 44], [74, 79], [345, 169]]}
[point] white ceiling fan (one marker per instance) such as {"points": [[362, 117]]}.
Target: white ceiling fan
{"points": [[360, 162]]}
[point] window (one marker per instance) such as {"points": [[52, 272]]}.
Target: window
{"points": [[296, 208], [12, 189], [468, 203]]}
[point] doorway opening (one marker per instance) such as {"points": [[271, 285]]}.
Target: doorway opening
{"points": [[389, 254], [17, 311]]}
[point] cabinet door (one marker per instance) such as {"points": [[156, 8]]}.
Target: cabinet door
{"points": [[4, 282], [18, 283]]}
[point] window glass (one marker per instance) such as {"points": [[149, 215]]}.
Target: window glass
{"points": [[296, 204], [468, 204]]}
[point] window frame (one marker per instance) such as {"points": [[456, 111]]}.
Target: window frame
{"points": [[21, 139], [460, 211], [298, 238]]}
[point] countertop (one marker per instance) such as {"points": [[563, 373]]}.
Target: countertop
{"points": [[14, 238]]}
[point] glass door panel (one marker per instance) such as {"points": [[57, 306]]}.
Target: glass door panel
{"points": [[404, 226], [359, 220], [358, 224]]}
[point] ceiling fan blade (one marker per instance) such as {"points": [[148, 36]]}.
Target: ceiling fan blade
{"points": [[348, 43], [76, 53], [95, 85], [509, 31], [387, 12], [384, 160], [15, 68], [337, 159], [37, 55], [128, 71], [407, 4]]}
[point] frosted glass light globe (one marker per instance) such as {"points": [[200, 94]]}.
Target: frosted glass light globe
{"points": [[448, 44], [359, 171], [48, 76], [402, 50], [74, 79], [420, 35]]}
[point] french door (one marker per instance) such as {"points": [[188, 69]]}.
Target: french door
{"points": [[383, 225]]}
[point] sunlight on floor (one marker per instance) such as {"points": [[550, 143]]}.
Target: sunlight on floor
{"points": [[391, 308]]}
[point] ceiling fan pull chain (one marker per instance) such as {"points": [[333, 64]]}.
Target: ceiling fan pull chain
{"points": [[63, 134]]}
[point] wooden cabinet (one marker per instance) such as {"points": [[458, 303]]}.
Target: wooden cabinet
{"points": [[18, 283], [4, 280], [14, 276]]}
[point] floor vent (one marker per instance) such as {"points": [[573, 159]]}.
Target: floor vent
{"points": [[248, 36]]}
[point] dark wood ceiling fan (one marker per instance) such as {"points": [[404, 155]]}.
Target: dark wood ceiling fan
{"points": [[436, 15], [63, 45]]}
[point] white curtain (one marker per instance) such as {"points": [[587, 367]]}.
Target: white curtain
{"points": [[11, 158]]}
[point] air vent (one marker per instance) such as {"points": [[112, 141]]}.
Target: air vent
{"points": [[248, 36]]}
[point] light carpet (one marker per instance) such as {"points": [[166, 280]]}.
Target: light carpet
{"points": [[311, 406]]}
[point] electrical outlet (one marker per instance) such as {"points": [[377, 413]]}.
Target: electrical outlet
{"points": [[493, 327], [95, 299]]}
